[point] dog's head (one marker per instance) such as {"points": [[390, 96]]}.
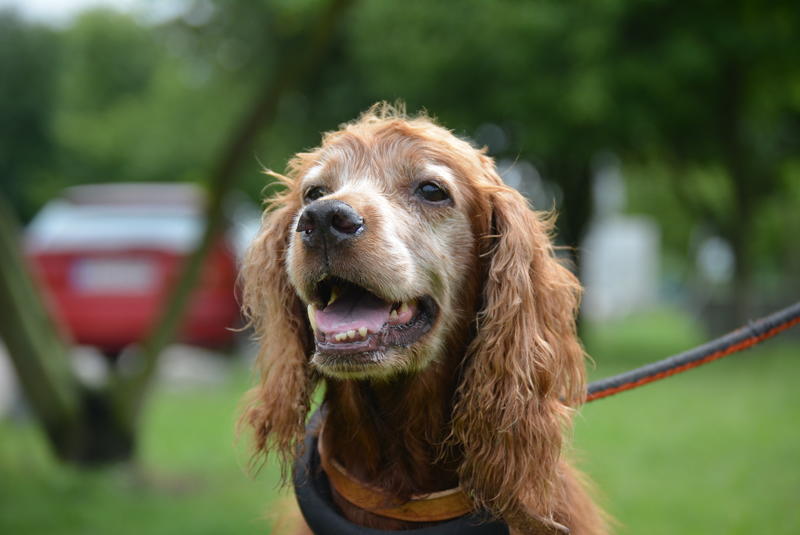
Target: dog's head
{"points": [[394, 242], [381, 242]]}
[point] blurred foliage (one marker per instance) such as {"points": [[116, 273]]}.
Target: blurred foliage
{"points": [[700, 101], [128, 95], [711, 95], [110, 81], [29, 61]]}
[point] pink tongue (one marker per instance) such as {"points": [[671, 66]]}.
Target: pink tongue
{"points": [[351, 312]]}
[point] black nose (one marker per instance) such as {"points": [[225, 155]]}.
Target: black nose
{"points": [[329, 220]]}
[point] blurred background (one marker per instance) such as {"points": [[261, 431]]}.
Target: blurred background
{"points": [[132, 135]]}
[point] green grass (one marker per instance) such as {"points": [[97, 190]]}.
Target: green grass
{"points": [[713, 451], [191, 477]]}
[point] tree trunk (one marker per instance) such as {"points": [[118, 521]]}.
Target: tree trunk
{"points": [[574, 177], [746, 190], [742, 296], [79, 423]]}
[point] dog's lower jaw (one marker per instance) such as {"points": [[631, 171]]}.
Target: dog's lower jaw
{"points": [[369, 365], [380, 365]]}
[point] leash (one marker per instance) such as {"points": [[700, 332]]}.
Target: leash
{"points": [[743, 338]]}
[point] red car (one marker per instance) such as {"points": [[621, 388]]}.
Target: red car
{"points": [[108, 255]]}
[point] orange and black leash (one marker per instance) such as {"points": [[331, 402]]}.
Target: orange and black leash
{"points": [[743, 338]]}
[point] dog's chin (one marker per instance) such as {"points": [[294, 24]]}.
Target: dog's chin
{"points": [[376, 364], [379, 364]]}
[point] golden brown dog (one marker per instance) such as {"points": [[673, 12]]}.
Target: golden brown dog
{"points": [[398, 268]]}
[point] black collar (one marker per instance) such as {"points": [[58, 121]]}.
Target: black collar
{"points": [[323, 517]]}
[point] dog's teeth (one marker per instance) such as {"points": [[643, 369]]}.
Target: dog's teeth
{"points": [[341, 337], [312, 317], [363, 332], [403, 308], [351, 334], [334, 295], [393, 315]]}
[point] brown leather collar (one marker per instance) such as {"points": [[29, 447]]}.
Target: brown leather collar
{"points": [[433, 507]]}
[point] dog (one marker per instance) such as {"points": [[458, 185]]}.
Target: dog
{"points": [[399, 270]]}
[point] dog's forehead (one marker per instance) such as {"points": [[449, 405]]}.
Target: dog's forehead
{"points": [[385, 163]]}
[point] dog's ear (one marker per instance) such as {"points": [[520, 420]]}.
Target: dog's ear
{"points": [[524, 370], [277, 406]]}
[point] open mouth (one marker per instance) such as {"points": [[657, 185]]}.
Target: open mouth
{"points": [[349, 319]]}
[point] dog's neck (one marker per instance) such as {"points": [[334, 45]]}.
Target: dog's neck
{"points": [[389, 434]]}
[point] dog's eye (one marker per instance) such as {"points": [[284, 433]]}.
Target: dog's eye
{"points": [[314, 193], [432, 192]]}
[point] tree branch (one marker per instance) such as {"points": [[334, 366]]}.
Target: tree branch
{"points": [[39, 357]]}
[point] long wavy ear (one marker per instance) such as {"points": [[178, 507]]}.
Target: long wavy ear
{"points": [[524, 371], [277, 406]]}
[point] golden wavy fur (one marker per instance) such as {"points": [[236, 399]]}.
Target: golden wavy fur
{"points": [[485, 397]]}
